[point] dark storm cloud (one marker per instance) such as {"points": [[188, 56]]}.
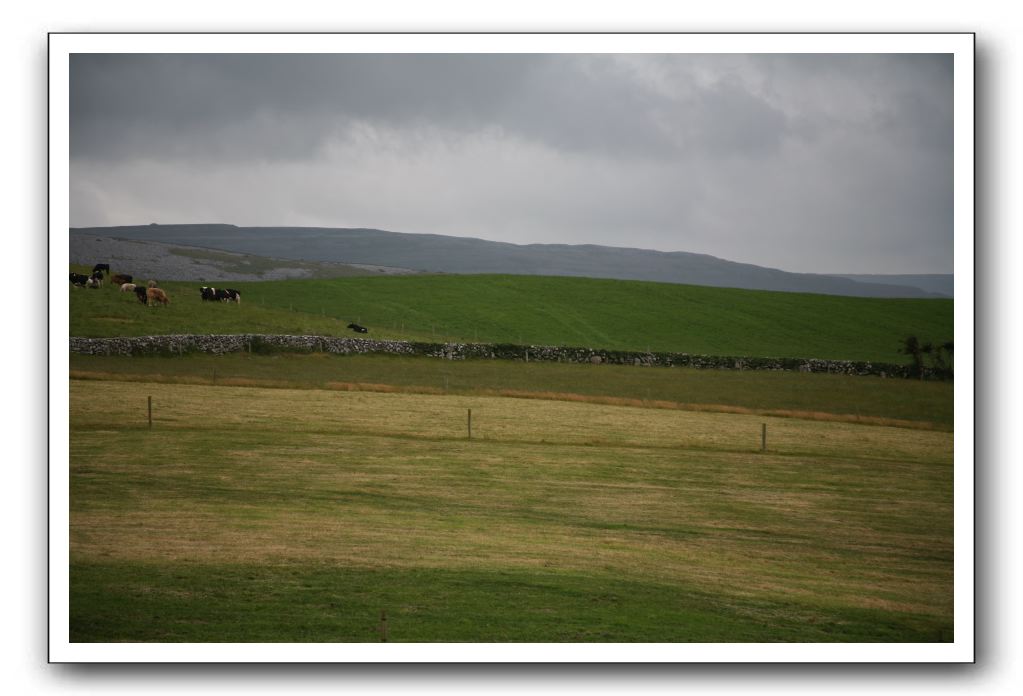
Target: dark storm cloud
{"points": [[270, 106], [804, 162]]}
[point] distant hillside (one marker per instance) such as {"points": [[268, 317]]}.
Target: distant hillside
{"points": [[938, 283], [436, 253], [160, 261]]}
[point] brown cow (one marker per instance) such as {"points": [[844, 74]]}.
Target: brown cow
{"points": [[120, 279], [156, 295]]}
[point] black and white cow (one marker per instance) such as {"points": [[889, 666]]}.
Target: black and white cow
{"points": [[79, 279], [101, 268], [222, 295], [358, 329]]}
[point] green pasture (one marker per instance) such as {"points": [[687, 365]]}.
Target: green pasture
{"points": [[918, 403], [250, 514], [586, 312]]}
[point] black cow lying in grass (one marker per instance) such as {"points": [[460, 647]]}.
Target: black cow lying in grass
{"points": [[358, 329]]}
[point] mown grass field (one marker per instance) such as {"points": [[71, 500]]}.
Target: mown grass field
{"points": [[250, 514], [291, 498], [611, 314], [911, 403]]}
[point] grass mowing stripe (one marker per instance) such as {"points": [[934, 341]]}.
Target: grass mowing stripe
{"points": [[153, 602], [883, 401], [495, 419]]}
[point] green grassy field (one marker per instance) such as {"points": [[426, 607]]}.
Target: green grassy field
{"points": [[611, 314], [296, 497], [835, 397], [250, 514]]}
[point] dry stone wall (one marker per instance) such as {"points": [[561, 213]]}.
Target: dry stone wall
{"points": [[269, 343]]}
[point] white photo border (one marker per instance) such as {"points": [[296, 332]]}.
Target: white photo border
{"points": [[960, 45]]}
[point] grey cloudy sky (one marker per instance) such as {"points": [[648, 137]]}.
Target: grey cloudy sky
{"points": [[816, 163]]}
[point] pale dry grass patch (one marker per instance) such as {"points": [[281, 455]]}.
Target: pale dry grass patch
{"points": [[376, 480], [253, 382]]}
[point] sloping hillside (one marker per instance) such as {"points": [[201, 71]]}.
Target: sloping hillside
{"points": [[436, 253], [585, 312], [938, 283], [157, 260]]}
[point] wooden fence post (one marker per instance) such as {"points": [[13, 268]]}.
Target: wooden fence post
{"points": [[763, 437], [383, 626], [470, 423], [150, 413]]}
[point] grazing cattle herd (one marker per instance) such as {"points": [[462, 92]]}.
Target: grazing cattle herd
{"points": [[151, 295]]}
